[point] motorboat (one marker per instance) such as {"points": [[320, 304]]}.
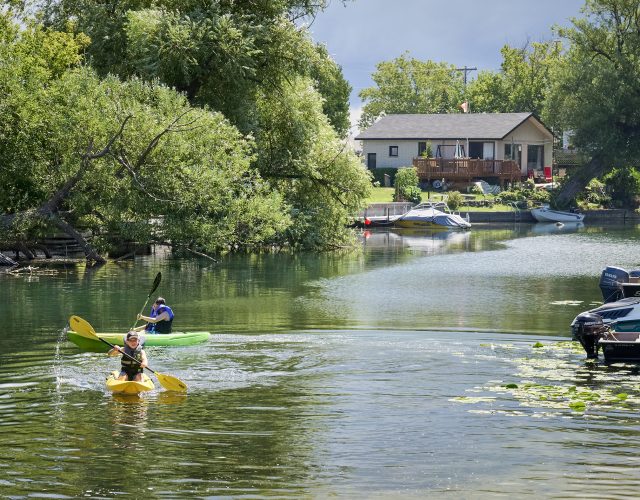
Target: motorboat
{"points": [[615, 325], [431, 215], [617, 346], [545, 214]]}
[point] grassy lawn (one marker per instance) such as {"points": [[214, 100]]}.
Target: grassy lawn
{"points": [[385, 195]]}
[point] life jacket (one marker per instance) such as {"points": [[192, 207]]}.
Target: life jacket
{"points": [[163, 326], [128, 365]]}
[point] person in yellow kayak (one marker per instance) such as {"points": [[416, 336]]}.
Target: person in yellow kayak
{"points": [[160, 319], [130, 370]]}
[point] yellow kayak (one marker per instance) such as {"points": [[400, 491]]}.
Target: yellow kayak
{"points": [[128, 386]]}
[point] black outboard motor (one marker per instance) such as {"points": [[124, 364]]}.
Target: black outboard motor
{"points": [[611, 281], [588, 328]]}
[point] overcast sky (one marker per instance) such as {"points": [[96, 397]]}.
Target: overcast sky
{"points": [[469, 33]]}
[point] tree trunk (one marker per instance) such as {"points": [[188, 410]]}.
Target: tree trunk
{"points": [[90, 253], [6, 261], [579, 180]]}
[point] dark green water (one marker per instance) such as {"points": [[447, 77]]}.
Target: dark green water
{"points": [[376, 374]]}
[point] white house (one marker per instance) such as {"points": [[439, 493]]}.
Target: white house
{"points": [[395, 140]]}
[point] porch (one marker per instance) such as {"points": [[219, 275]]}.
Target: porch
{"points": [[466, 169]]}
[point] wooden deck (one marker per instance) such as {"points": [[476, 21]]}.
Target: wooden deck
{"points": [[466, 169]]}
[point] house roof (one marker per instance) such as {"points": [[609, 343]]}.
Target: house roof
{"points": [[448, 126]]}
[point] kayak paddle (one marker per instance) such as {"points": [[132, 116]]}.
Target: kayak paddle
{"points": [[84, 328], [156, 282]]}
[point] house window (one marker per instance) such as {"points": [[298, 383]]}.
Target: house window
{"points": [[535, 157], [422, 147], [513, 152], [393, 150], [449, 151]]}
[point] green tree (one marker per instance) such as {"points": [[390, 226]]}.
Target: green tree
{"points": [[245, 60], [334, 89], [408, 85], [596, 92], [132, 158], [219, 54], [624, 187], [521, 85], [302, 157]]}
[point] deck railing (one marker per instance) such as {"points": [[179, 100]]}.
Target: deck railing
{"points": [[466, 169]]}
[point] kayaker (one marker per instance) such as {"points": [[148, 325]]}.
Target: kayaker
{"points": [[130, 370], [160, 319]]}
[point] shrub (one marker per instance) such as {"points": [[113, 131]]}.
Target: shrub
{"points": [[624, 186], [406, 184], [378, 174], [454, 200]]}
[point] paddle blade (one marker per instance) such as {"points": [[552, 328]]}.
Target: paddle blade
{"points": [[156, 283], [171, 383], [82, 327]]}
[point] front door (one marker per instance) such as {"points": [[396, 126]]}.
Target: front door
{"points": [[371, 161]]}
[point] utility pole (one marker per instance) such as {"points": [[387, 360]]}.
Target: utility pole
{"points": [[466, 70]]}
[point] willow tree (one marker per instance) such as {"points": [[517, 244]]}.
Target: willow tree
{"points": [[241, 59], [302, 157], [596, 90], [101, 156], [218, 53]]}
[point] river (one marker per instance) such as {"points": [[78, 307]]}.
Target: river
{"points": [[425, 365]]}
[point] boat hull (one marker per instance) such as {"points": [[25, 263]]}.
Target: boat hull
{"points": [[419, 224], [621, 347], [169, 339], [548, 215], [128, 386]]}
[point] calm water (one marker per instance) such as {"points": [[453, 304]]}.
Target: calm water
{"points": [[403, 371]]}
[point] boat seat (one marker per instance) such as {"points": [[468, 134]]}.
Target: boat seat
{"points": [[624, 336]]}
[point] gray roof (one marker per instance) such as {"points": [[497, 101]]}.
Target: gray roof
{"points": [[447, 126]]}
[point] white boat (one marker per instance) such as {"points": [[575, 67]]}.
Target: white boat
{"points": [[425, 215], [615, 325], [545, 214]]}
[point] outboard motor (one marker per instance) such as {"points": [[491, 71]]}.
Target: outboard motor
{"points": [[588, 328], [611, 281]]}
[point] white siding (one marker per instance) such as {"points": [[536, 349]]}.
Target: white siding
{"points": [[526, 134], [407, 151]]}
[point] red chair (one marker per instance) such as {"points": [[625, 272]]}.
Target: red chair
{"points": [[548, 176]]}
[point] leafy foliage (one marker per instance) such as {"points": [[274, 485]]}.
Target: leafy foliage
{"points": [[302, 157], [406, 184], [454, 200], [593, 94], [144, 163], [623, 185], [521, 85], [408, 85]]}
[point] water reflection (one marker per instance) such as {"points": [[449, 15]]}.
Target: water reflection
{"points": [[380, 373], [437, 241], [556, 227], [127, 419]]}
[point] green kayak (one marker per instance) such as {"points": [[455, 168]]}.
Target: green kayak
{"points": [[158, 339]]}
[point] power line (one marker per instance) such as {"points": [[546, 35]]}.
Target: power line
{"points": [[466, 70]]}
